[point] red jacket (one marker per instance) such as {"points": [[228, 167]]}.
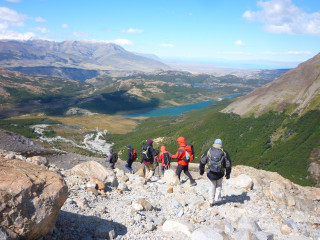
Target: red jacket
{"points": [[181, 153], [161, 158]]}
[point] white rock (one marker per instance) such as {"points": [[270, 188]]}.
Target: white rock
{"points": [[205, 233], [171, 178], [242, 181], [178, 226]]}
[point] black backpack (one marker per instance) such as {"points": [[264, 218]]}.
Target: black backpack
{"points": [[146, 153], [215, 160], [114, 158], [166, 158]]}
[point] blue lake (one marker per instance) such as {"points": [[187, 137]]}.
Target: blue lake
{"points": [[174, 111]]}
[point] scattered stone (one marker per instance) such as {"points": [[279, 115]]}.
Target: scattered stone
{"points": [[170, 190], [99, 183], [205, 233], [178, 226]]}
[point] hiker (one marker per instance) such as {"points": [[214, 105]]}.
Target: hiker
{"points": [[131, 157], [217, 161], [165, 158], [112, 158], [148, 154], [183, 164]]}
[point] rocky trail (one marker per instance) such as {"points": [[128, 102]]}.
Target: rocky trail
{"points": [[101, 203]]}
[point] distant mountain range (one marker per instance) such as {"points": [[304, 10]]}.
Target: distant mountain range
{"points": [[73, 54], [297, 91]]}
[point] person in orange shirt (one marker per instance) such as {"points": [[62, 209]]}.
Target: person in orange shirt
{"points": [[165, 158], [182, 164]]}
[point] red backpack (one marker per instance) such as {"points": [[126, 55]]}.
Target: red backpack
{"points": [[189, 153], [133, 154]]}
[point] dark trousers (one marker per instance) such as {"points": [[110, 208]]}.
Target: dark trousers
{"points": [[163, 168], [185, 170], [129, 165]]}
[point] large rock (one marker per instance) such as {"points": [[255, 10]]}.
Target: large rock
{"points": [[178, 226], [92, 169], [205, 233], [171, 178], [242, 181], [30, 198]]}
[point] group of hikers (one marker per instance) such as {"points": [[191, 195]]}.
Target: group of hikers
{"points": [[215, 161]]}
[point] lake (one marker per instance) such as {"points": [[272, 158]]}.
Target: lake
{"points": [[174, 111]]}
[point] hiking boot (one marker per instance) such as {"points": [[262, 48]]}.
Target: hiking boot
{"points": [[211, 204], [193, 183]]}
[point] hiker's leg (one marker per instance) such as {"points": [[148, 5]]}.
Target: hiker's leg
{"points": [[179, 170], [212, 190], [186, 172], [162, 170], [147, 172], [218, 190], [130, 165]]}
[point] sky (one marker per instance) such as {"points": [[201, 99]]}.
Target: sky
{"points": [[270, 33]]}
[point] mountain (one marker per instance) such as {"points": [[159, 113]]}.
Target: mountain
{"points": [[297, 91], [73, 54]]}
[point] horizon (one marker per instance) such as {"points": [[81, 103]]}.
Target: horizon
{"points": [[248, 34]]}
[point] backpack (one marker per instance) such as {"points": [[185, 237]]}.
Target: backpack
{"points": [[189, 153], [114, 158], [145, 153], [215, 157], [166, 158], [133, 154]]}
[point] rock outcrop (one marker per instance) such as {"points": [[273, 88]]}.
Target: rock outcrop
{"points": [[30, 197]]}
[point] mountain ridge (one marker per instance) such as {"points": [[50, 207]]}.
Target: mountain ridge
{"points": [[297, 91], [76, 54]]}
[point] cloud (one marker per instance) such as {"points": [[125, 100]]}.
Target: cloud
{"points": [[8, 34], [295, 52], [122, 42], [65, 25], [239, 43], [40, 19], [282, 16], [132, 31], [42, 29], [166, 45], [13, 1], [10, 17]]}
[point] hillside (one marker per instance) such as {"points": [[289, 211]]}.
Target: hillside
{"points": [[73, 54], [297, 91]]}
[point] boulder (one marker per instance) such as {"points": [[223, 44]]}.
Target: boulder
{"points": [[38, 160], [30, 198], [171, 178], [141, 173], [99, 184], [178, 226], [205, 233], [91, 169], [242, 181]]}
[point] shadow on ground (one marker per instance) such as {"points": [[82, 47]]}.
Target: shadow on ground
{"points": [[74, 226]]}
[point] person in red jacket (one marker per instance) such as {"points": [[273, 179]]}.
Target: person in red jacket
{"points": [[165, 158], [182, 164]]}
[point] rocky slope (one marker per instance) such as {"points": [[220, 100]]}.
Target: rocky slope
{"points": [[256, 204], [298, 90]]}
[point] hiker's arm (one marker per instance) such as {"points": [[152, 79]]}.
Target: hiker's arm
{"points": [[177, 155], [203, 162], [228, 164]]}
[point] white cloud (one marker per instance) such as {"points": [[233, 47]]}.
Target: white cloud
{"points": [[42, 29], [13, 1], [8, 34], [282, 16], [295, 52], [65, 25], [166, 45], [239, 43], [132, 31], [40, 19], [11, 17], [122, 42]]}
